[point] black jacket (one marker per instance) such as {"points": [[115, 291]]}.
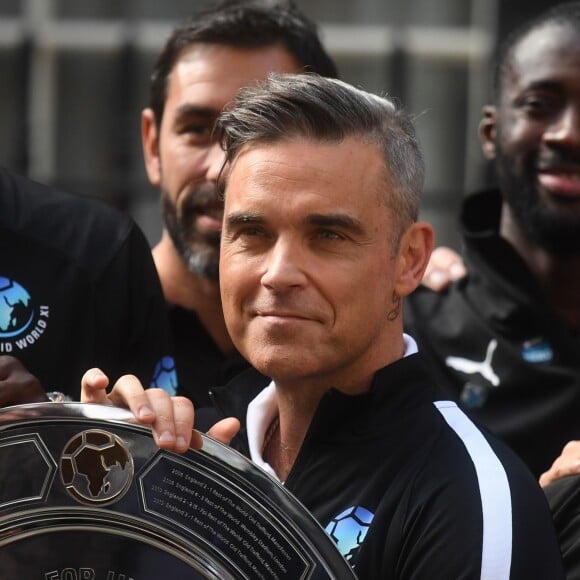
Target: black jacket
{"points": [[399, 478], [527, 391], [78, 288]]}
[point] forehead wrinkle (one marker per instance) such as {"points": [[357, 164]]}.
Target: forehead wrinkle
{"points": [[273, 174]]}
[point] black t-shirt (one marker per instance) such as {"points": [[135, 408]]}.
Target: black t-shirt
{"points": [[78, 288], [408, 486], [496, 344], [199, 361]]}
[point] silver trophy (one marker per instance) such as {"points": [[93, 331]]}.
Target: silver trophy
{"points": [[85, 494]]}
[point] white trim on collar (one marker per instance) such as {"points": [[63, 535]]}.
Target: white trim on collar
{"points": [[262, 410]]}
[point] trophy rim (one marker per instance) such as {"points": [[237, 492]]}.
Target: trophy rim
{"points": [[280, 500]]}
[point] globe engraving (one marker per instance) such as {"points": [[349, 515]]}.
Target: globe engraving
{"points": [[96, 467]]}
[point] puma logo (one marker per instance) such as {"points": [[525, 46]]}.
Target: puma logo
{"points": [[471, 367]]}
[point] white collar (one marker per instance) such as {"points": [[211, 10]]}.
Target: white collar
{"points": [[263, 409]]}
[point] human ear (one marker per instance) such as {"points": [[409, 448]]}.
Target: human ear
{"points": [[413, 256], [488, 131], [150, 142]]}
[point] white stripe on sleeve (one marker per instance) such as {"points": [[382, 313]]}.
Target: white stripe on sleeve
{"points": [[496, 550]]}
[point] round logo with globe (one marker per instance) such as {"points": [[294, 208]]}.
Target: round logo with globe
{"points": [[96, 467], [16, 312]]}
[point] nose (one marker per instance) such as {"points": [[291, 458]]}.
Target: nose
{"points": [[566, 130], [285, 266], [215, 159]]}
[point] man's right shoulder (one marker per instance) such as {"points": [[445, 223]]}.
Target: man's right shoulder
{"points": [[82, 228]]}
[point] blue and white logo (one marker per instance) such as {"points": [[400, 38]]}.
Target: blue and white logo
{"points": [[349, 528], [165, 375], [537, 351], [474, 395], [16, 312], [22, 322]]}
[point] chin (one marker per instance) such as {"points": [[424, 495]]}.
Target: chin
{"points": [[279, 363]]}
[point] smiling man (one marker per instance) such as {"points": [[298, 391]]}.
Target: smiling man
{"points": [[320, 246], [204, 62], [505, 339]]}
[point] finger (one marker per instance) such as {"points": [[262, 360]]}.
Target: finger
{"points": [[436, 280], [163, 424], [128, 392], [183, 414], [457, 270], [445, 266], [93, 387], [225, 430], [21, 388], [545, 479], [562, 467]]}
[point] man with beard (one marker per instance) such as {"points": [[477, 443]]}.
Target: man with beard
{"points": [[199, 71], [504, 339]]}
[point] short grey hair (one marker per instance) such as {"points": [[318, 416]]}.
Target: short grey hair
{"points": [[307, 105]]}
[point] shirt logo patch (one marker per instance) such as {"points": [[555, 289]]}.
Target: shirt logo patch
{"points": [[473, 395], [471, 367], [537, 351], [165, 375], [21, 322], [348, 529]]}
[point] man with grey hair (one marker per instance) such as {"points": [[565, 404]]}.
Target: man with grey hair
{"points": [[320, 245]]}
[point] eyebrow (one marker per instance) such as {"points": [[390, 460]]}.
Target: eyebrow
{"points": [[550, 85], [336, 220], [196, 111], [239, 218], [321, 220]]}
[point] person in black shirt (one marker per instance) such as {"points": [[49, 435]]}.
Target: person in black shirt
{"points": [[504, 340], [78, 289], [320, 246]]}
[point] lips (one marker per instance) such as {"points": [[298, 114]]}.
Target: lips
{"points": [[561, 178], [279, 314], [207, 217], [561, 184], [564, 184], [283, 312], [208, 222]]}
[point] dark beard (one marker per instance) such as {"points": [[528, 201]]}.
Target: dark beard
{"points": [[557, 232], [199, 251]]}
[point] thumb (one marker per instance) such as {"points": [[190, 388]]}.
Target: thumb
{"points": [[225, 430]]}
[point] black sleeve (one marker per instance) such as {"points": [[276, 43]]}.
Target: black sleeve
{"points": [[450, 506], [132, 321], [449, 543], [564, 500]]}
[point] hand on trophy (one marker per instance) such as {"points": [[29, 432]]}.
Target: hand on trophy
{"points": [[17, 385], [171, 418]]}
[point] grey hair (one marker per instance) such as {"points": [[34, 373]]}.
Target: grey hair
{"points": [[310, 106]]}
